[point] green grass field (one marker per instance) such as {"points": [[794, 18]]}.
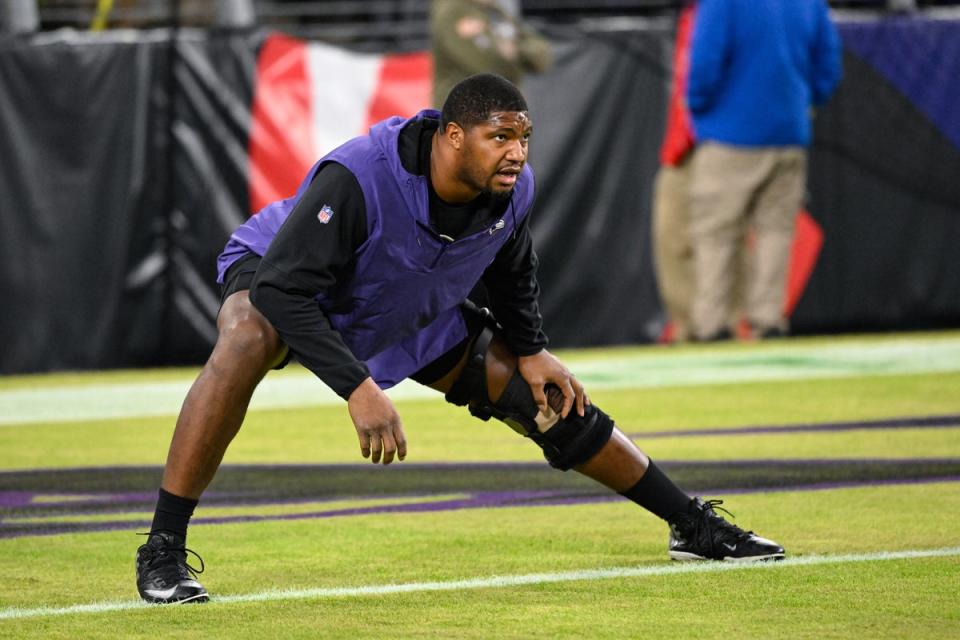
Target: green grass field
{"points": [[846, 451]]}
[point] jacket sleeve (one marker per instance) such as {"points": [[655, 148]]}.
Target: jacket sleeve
{"points": [[709, 49], [827, 56], [308, 257], [511, 282]]}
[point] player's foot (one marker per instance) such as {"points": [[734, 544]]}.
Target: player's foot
{"points": [[163, 575], [701, 534]]}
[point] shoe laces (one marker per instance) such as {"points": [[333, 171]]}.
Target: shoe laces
{"points": [[157, 564], [713, 528]]}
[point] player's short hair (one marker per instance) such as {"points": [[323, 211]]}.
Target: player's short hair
{"points": [[473, 99]]}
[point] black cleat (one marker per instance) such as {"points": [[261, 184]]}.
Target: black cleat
{"points": [[701, 534], [163, 575]]}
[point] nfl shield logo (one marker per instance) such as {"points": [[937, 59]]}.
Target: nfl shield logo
{"points": [[325, 214]]}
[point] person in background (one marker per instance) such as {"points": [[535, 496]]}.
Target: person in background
{"points": [[672, 250], [673, 255], [756, 69], [476, 36]]}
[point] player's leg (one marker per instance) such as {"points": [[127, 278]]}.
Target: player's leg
{"points": [[485, 378], [247, 347], [611, 458]]}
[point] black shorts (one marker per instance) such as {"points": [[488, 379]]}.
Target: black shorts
{"points": [[240, 274]]}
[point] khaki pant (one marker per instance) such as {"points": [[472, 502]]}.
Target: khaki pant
{"points": [[672, 253], [734, 190], [673, 250]]}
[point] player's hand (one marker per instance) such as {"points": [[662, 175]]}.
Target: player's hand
{"points": [[377, 423], [542, 369]]}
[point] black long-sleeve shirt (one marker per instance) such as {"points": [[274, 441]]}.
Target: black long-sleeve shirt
{"points": [[306, 258]]}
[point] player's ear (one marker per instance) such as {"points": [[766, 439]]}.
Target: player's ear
{"points": [[455, 135]]}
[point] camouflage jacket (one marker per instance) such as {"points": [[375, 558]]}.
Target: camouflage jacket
{"points": [[474, 36]]}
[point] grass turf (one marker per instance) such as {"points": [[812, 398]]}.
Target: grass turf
{"points": [[440, 432], [884, 599]]}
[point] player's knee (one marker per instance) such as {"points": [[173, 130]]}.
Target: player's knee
{"points": [[566, 442], [246, 335]]}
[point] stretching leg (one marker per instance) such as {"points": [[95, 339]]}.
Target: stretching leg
{"points": [[619, 464], [247, 347], [593, 446]]}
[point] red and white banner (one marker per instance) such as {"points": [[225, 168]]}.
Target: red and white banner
{"points": [[311, 97]]}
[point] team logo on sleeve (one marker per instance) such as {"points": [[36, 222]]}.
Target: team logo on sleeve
{"points": [[325, 215]]}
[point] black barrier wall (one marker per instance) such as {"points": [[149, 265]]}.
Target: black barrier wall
{"points": [[123, 168], [123, 171], [83, 146]]}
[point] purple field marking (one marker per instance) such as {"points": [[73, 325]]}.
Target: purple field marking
{"points": [[447, 466], [440, 466], [806, 462], [83, 498], [16, 498], [19, 499], [917, 422], [849, 484], [478, 501]]}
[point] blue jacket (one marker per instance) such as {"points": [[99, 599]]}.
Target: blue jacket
{"points": [[757, 66]]}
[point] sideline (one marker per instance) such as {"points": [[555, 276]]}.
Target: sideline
{"points": [[635, 369], [493, 582]]}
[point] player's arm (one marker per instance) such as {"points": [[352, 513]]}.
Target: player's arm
{"points": [[511, 281], [310, 255], [306, 258]]}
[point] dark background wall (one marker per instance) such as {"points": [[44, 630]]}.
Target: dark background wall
{"points": [[123, 166]]}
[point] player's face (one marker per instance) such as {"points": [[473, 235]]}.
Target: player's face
{"points": [[495, 152]]}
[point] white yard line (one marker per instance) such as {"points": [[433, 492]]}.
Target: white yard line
{"points": [[493, 582], [643, 369]]}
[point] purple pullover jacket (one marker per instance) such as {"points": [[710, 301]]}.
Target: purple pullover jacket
{"points": [[399, 310]]}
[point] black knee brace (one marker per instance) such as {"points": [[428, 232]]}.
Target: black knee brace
{"points": [[566, 442]]}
